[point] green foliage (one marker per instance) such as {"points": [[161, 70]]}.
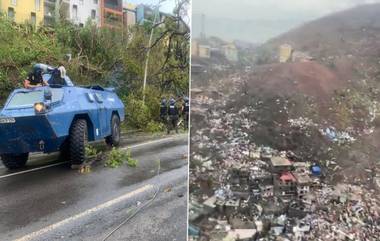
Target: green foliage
{"points": [[20, 47], [102, 56], [155, 127], [137, 113], [91, 151], [117, 157], [130, 161]]}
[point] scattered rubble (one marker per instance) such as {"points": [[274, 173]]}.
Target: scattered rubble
{"points": [[240, 190]]}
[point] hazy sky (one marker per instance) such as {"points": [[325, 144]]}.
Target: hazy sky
{"points": [[166, 6], [260, 20]]}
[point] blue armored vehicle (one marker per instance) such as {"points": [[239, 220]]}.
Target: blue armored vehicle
{"points": [[58, 118]]}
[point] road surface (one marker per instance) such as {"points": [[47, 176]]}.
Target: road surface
{"points": [[49, 201]]}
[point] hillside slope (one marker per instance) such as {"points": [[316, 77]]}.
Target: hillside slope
{"points": [[295, 102]]}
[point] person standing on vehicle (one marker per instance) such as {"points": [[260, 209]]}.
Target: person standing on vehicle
{"points": [[185, 112], [164, 111], [173, 116], [35, 78], [57, 76]]}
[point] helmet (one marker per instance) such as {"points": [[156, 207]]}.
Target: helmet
{"points": [[163, 101], [172, 101], [186, 99], [37, 73]]}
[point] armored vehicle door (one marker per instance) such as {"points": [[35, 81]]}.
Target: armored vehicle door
{"points": [[102, 113]]}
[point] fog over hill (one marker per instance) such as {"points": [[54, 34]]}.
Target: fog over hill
{"points": [[258, 21]]}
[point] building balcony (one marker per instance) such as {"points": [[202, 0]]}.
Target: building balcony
{"points": [[116, 5], [50, 2]]}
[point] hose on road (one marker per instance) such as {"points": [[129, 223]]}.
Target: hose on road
{"points": [[150, 201]]}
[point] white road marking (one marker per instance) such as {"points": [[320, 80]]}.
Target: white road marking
{"points": [[31, 170], [148, 142], [60, 163], [85, 213]]}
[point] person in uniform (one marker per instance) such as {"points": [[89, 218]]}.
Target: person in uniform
{"points": [[35, 78], [173, 116], [185, 112], [164, 111]]}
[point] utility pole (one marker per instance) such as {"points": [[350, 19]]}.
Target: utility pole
{"points": [[203, 32], [148, 53]]}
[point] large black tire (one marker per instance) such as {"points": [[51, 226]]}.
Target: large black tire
{"points": [[114, 138], [12, 161], [64, 150], [78, 141]]}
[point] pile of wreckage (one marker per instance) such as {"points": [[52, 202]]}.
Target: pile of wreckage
{"points": [[241, 191], [274, 197], [244, 192]]}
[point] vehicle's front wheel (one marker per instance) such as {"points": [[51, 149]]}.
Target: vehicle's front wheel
{"points": [[13, 161], [78, 141], [114, 138]]}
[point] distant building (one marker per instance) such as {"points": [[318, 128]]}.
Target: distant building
{"points": [[82, 11], [231, 52], [280, 164], [76, 11], [144, 13], [54, 10], [194, 47], [285, 53], [285, 184], [197, 69], [111, 13], [200, 50], [204, 51], [303, 184], [129, 15], [24, 11]]}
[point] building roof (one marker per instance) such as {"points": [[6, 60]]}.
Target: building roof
{"points": [[287, 176], [302, 178], [229, 46], [204, 46], [280, 161]]}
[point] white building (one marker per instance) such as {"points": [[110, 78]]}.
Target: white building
{"points": [[83, 10], [77, 11]]}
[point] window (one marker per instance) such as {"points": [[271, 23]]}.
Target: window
{"points": [[33, 19], [24, 99], [14, 2], [11, 13], [75, 11], [81, 2], [93, 14], [38, 4], [95, 1]]}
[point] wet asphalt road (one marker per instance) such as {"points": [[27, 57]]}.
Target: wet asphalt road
{"points": [[57, 203]]}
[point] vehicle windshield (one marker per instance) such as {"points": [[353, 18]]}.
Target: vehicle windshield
{"points": [[23, 99], [29, 98]]}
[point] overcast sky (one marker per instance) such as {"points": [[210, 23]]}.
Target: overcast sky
{"points": [[167, 6], [260, 20]]}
